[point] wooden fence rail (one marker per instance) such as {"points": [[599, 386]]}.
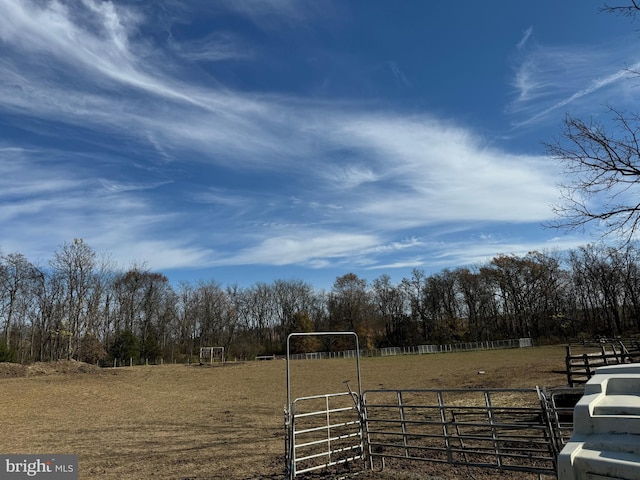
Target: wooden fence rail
{"points": [[581, 366]]}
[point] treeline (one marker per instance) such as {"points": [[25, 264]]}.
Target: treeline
{"points": [[79, 306]]}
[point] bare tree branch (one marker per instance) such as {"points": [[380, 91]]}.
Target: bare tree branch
{"points": [[603, 172], [625, 10]]}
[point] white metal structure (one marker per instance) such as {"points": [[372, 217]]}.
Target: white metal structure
{"points": [[211, 355], [606, 428]]}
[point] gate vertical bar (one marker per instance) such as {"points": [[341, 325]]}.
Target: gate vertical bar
{"points": [[549, 418], [290, 441], [494, 434], [403, 424], [326, 406], [443, 419]]}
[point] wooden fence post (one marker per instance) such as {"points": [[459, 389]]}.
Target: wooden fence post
{"points": [[587, 367], [568, 362]]}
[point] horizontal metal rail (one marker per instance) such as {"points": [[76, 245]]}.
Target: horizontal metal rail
{"points": [[321, 412], [325, 440], [325, 427], [323, 454], [328, 464]]}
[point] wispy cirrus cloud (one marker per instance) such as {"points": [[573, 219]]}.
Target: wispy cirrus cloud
{"points": [[273, 13], [232, 160], [114, 187], [399, 74], [526, 35], [94, 37], [214, 47], [479, 252], [548, 80], [302, 247], [431, 171], [223, 197]]}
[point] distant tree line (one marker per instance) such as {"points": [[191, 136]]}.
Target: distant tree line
{"points": [[80, 307]]}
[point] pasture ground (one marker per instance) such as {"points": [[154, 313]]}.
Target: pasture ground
{"points": [[208, 422]]}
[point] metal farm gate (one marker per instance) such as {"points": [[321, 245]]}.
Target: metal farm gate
{"points": [[504, 429], [323, 431]]}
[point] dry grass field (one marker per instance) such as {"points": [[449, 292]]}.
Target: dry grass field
{"points": [[210, 422]]}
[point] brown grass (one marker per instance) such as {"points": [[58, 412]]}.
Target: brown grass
{"points": [[201, 422]]}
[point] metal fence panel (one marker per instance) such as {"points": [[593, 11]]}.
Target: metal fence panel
{"points": [[505, 429]]}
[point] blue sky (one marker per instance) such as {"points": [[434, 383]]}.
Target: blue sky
{"points": [[256, 140]]}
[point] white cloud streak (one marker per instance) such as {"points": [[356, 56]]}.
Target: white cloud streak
{"points": [[525, 37], [550, 80], [270, 14], [215, 47], [442, 173], [303, 247]]}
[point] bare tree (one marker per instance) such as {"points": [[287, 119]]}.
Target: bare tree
{"points": [[295, 300], [186, 325], [599, 274], [213, 314], [478, 302], [602, 165], [260, 313], [392, 305], [16, 278], [18, 304], [604, 174], [351, 308], [443, 307], [75, 265]]}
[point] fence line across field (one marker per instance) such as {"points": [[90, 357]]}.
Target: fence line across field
{"points": [[418, 349], [372, 352]]}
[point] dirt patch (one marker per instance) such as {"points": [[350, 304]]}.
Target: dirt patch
{"points": [[60, 367]]}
